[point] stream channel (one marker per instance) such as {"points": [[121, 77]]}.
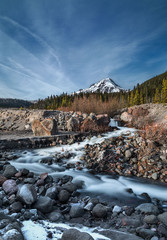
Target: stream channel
{"points": [[110, 188]]}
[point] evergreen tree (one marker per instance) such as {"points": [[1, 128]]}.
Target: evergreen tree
{"points": [[136, 100], [131, 103], [164, 91], [157, 97]]}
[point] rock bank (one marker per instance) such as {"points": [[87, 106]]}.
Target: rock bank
{"points": [[128, 156], [145, 114], [58, 200]]}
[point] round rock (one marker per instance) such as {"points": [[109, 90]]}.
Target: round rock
{"points": [[76, 210], [13, 234], [16, 206], [150, 219], [74, 234], [44, 204], [10, 186], [10, 171], [99, 211], [163, 218], [27, 194], [147, 208], [63, 196]]}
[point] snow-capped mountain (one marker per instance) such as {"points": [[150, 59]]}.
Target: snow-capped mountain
{"points": [[104, 85]]}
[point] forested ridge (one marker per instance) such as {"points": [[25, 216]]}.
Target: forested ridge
{"points": [[14, 103], [153, 90]]}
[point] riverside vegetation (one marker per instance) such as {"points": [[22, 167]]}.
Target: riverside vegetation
{"points": [[153, 90], [39, 197]]}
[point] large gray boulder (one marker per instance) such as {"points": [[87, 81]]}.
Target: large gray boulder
{"points": [[63, 196], [76, 210], [10, 171], [163, 218], [73, 124], [74, 234], [99, 211], [13, 234], [52, 192], [44, 204], [55, 216], [27, 194], [147, 208]]}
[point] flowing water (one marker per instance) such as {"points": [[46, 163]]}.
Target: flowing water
{"points": [[103, 186], [98, 184]]}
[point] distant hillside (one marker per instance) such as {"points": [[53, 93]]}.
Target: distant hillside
{"points": [[149, 91], [14, 103], [95, 99], [155, 82]]}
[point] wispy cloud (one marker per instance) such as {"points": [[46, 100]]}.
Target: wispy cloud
{"points": [[61, 46], [35, 36], [38, 73]]}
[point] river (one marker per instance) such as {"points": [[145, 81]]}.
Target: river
{"points": [[104, 186]]}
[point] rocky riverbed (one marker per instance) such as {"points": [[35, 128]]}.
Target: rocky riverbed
{"points": [[68, 195], [124, 156], [24, 196]]}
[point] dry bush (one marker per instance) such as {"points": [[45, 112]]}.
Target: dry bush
{"points": [[155, 132], [91, 104]]}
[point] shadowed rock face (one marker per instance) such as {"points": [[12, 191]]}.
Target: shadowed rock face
{"points": [[47, 127]]}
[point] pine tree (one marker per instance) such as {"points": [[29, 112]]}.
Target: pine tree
{"points": [[136, 98], [157, 97], [164, 91], [131, 103]]}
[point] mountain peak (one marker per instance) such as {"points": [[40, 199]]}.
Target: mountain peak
{"points": [[105, 85]]}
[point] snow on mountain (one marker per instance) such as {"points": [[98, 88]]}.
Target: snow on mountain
{"points": [[104, 85]]}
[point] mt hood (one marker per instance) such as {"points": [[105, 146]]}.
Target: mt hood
{"points": [[105, 85]]}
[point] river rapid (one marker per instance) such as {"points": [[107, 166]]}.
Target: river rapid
{"points": [[113, 189], [107, 186]]}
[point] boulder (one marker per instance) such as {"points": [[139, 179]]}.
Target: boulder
{"points": [[150, 219], [126, 117], [145, 233], [99, 211], [10, 171], [74, 234], [128, 154], [134, 221], [27, 194], [147, 208], [70, 187], [16, 206], [73, 124], [52, 192], [13, 234], [10, 187], [44, 204], [76, 210], [163, 218], [55, 216], [89, 125], [47, 127], [117, 209], [103, 120], [63, 196], [162, 230]]}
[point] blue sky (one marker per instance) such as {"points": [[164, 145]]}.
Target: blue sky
{"points": [[54, 46]]}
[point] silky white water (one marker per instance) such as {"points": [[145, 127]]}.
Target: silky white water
{"points": [[96, 184]]}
